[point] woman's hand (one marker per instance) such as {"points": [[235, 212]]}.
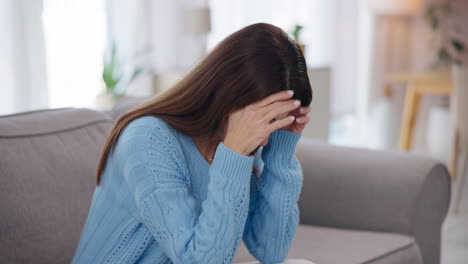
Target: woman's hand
{"points": [[248, 127], [301, 119]]}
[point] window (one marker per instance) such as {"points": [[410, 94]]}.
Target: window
{"points": [[75, 39]]}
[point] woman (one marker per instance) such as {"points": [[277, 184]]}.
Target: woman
{"points": [[181, 178]]}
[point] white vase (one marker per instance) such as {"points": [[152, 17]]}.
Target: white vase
{"points": [[459, 99], [104, 101], [438, 133], [385, 124]]}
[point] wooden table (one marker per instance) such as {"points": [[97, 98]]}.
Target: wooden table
{"points": [[417, 85]]}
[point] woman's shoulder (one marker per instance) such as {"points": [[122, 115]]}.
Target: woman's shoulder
{"points": [[149, 121], [151, 135], [149, 131], [149, 124]]}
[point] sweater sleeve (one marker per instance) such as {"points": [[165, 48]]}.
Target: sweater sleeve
{"points": [[274, 214], [161, 187]]}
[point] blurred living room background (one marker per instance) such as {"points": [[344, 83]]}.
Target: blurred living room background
{"points": [[386, 74]]}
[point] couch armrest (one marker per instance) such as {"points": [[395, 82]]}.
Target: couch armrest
{"points": [[385, 191]]}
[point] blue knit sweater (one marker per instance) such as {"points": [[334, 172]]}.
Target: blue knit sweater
{"points": [[160, 201]]}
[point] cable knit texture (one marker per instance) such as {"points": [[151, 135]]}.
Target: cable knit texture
{"points": [[160, 201]]}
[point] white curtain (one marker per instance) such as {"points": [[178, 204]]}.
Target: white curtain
{"points": [[50, 53], [74, 33], [154, 29], [317, 17], [23, 84]]}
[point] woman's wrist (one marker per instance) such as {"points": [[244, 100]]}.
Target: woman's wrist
{"points": [[281, 144], [236, 147], [231, 164]]}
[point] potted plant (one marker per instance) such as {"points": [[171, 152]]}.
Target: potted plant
{"points": [[450, 49], [116, 79], [441, 18], [296, 32]]}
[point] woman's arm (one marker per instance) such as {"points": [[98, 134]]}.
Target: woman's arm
{"points": [[274, 214], [159, 181]]}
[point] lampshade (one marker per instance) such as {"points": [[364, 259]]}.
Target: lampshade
{"points": [[197, 20], [395, 7]]}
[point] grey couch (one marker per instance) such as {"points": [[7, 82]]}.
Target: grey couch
{"points": [[356, 205]]}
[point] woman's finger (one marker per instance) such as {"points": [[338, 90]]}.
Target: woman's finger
{"points": [[283, 95], [277, 109], [279, 123], [302, 119], [300, 111], [304, 110]]}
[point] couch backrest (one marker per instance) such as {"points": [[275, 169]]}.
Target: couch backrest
{"points": [[48, 160]]}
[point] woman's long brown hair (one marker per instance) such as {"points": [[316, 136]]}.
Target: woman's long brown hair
{"points": [[245, 67]]}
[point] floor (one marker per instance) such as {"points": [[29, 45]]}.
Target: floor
{"points": [[455, 231]]}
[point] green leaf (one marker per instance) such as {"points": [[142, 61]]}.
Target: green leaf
{"points": [[444, 56], [109, 74], [430, 16], [113, 53], [434, 22], [297, 31], [443, 53], [446, 8], [113, 73], [135, 74], [458, 45]]}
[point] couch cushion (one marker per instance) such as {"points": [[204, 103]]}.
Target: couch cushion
{"points": [[47, 177], [324, 245]]}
